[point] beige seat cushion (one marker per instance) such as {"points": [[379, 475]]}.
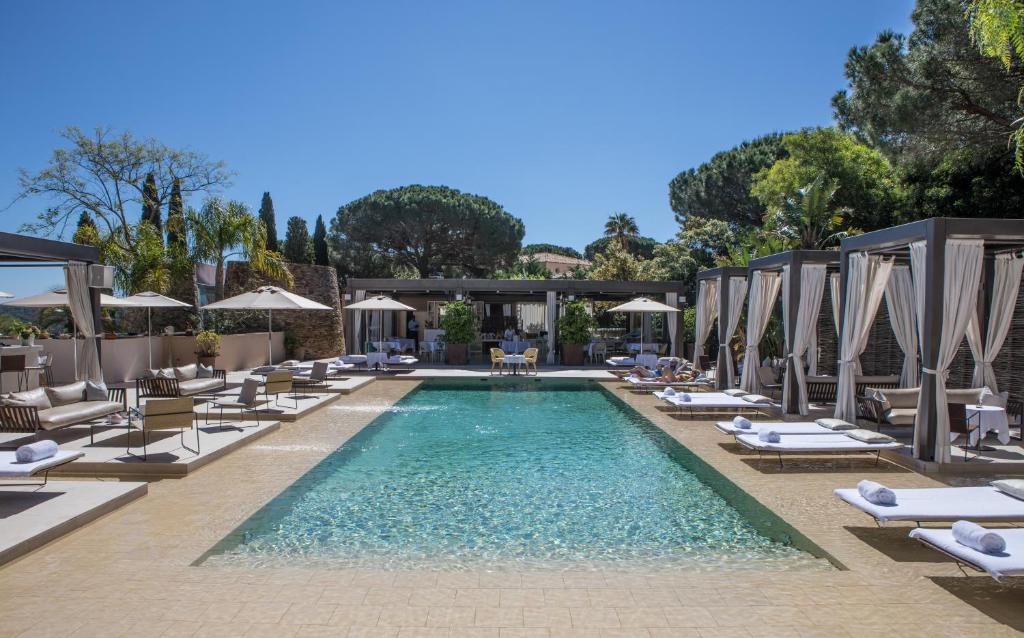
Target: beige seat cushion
{"points": [[74, 413], [970, 396], [901, 416], [900, 398], [66, 394], [186, 373], [195, 386], [36, 398]]}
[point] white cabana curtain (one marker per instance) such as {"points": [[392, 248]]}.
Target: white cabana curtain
{"points": [[812, 347], [834, 289], [357, 323], [900, 300], [962, 275], [866, 281], [707, 310], [672, 299], [812, 287], [552, 316], [1005, 288], [764, 291], [737, 294], [76, 274]]}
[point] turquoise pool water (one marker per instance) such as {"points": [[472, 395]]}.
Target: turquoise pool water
{"points": [[473, 474]]}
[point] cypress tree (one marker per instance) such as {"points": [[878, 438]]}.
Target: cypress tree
{"points": [[175, 217], [151, 203], [297, 245], [268, 219], [320, 257]]}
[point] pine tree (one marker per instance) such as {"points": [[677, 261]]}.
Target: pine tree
{"points": [[268, 219], [175, 217], [151, 203], [86, 231], [320, 257], [298, 247]]}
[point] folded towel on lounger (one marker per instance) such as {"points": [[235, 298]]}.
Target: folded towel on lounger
{"points": [[669, 392], [742, 423], [685, 398], [977, 537], [35, 451], [876, 493], [769, 436]]}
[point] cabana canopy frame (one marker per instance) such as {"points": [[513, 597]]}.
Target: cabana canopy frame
{"points": [[722, 275], [795, 259], [999, 235]]}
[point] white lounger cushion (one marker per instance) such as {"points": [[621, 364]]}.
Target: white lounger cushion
{"points": [[1008, 563], [734, 392], [10, 468], [693, 395], [831, 442], [756, 398], [709, 400], [978, 504], [781, 427]]}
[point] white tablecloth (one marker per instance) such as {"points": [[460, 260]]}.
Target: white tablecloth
{"points": [[992, 418], [648, 347], [403, 343], [376, 358], [647, 360], [515, 359], [514, 346], [384, 346]]}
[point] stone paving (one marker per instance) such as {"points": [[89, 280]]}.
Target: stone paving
{"points": [[130, 573]]}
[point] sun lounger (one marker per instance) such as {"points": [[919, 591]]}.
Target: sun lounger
{"points": [[1009, 562], [702, 403], [10, 468], [782, 427], [835, 443], [937, 504], [653, 384], [693, 395]]}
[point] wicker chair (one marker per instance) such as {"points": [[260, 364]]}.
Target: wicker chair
{"points": [[530, 354], [497, 360]]}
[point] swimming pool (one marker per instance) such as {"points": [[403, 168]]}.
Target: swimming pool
{"points": [[536, 473]]}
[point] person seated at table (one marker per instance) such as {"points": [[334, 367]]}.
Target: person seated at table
{"points": [[509, 334]]}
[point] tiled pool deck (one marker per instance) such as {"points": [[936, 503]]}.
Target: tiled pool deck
{"points": [[130, 573]]}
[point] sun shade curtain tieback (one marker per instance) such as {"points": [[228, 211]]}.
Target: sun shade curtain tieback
{"points": [[1005, 289], [764, 291], [812, 287], [707, 310], [835, 290], [962, 268], [899, 299], [868, 276], [737, 293], [76, 275]]}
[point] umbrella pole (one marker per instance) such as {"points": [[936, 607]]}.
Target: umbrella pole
{"points": [[149, 334], [270, 339]]}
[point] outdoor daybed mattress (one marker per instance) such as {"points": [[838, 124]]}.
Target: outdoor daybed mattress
{"points": [[10, 468], [809, 443], [782, 427], [979, 504], [1008, 563]]}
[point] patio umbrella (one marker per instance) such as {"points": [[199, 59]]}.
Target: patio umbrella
{"points": [[643, 305], [5, 295], [150, 300], [269, 298], [58, 298], [380, 303]]}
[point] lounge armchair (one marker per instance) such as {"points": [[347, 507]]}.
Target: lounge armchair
{"points": [[11, 468], [899, 406], [58, 407], [277, 383], [314, 379], [530, 354], [245, 401], [178, 382], [1009, 562], [940, 504], [166, 414], [766, 375], [811, 444]]}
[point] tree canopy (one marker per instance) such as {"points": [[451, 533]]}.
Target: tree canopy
{"points": [[431, 229], [565, 251], [641, 247], [269, 219], [298, 248], [320, 253]]}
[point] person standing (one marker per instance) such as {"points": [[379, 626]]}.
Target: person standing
{"points": [[412, 329]]}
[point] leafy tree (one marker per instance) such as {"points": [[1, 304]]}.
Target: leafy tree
{"points": [[720, 188], [144, 267], [866, 184], [934, 92], [104, 174], [810, 218], [431, 229], [223, 230], [616, 264], [620, 227], [705, 239], [150, 204], [86, 231], [320, 254], [298, 248], [640, 247], [176, 217], [565, 251], [269, 220], [964, 183], [675, 262], [525, 268]]}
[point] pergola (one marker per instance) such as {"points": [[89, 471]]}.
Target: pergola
{"points": [[959, 268], [548, 291], [21, 251], [802, 275], [727, 286]]}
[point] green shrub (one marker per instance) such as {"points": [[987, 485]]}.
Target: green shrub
{"points": [[459, 323], [208, 344], [576, 325]]}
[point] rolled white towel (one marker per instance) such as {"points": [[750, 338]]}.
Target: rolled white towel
{"points": [[977, 537], [669, 392], [876, 493], [769, 436], [742, 423], [35, 451], [685, 398]]}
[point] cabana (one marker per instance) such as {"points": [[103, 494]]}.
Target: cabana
{"points": [[961, 271], [801, 275], [720, 294]]}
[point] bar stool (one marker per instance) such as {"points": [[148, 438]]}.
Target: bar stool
{"points": [[45, 365], [13, 363]]}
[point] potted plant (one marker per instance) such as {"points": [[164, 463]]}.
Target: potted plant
{"points": [[28, 333], [207, 347], [459, 325], [575, 327]]}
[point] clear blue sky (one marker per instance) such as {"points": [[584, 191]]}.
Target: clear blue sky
{"points": [[562, 112]]}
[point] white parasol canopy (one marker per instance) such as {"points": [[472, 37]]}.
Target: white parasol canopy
{"points": [[380, 303], [5, 295], [150, 300], [643, 305], [269, 298]]}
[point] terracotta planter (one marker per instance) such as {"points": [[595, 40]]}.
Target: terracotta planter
{"points": [[458, 354], [206, 360], [572, 354]]}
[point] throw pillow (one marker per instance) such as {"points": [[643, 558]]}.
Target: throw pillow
{"points": [[95, 391]]}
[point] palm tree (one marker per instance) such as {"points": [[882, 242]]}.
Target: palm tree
{"points": [[621, 226], [221, 231], [808, 219]]}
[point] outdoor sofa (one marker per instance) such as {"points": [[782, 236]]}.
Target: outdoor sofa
{"points": [[823, 389], [183, 381], [899, 406], [53, 408]]}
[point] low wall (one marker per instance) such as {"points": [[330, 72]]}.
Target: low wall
{"points": [[237, 352]]}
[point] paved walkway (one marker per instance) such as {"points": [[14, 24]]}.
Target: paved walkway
{"points": [[129, 573]]}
